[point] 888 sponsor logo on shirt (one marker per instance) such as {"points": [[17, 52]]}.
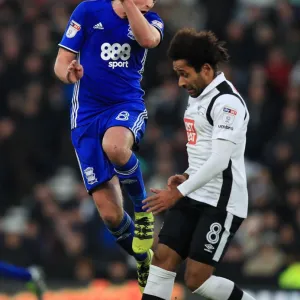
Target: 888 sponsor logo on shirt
{"points": [[117, 54]]}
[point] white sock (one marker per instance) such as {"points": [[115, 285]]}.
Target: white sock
{"points": [[160, 283], [219, 288]]}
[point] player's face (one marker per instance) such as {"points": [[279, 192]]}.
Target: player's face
{"points": [[194, 82], [144, 5]]}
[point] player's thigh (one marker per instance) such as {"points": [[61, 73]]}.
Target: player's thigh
{"points": [[178, 228], [96, 169], [214, 232], [131, 117]]}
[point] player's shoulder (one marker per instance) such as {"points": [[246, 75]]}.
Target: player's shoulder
{"points": [[230, 98], [229, 105], [227, 93]]}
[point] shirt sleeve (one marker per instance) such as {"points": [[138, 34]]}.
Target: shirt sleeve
{"points": [[156, 22], [229, 116], [187, 171], [217, 163], [74, 35]]}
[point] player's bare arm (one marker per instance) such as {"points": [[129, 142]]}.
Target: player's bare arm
{"points": [[146, 35], [67, 68]]}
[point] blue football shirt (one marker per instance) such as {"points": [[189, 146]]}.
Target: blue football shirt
{"points": [[112, 59]]}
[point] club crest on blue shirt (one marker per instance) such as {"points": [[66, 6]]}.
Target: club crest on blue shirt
{"points": [[73, 29], [90, 175], [130, 33]]}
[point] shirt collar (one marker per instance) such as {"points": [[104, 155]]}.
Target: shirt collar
{"points": [[219, 79]]}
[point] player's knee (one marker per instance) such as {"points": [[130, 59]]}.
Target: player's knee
{"points": [[117, 154], [160, 260], [157, 259], [194, 279], [110, 217], [164, 261], [117, 143]]}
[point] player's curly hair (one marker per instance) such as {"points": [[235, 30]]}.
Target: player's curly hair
{"points": [[198, 48]]}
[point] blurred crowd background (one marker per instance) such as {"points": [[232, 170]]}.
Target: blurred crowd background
{"points": [[46, 217]]}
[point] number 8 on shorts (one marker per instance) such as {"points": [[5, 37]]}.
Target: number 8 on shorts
{"points": [[213, 235]]}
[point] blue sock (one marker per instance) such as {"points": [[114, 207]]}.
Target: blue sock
{"points": [[10, 271], [130, 175], [124, 234]]}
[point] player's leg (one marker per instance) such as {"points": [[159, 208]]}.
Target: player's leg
{"points": [[32, 276], [117, 144], [100, 181], [14, 272], [37, 283], [108, 199], [162, 273], [124, 130], [173, 247], [211, 238], [200, 280]]}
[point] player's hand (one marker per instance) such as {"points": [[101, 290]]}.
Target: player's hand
{"points": [[162, 200], [175, 181], [75, 72]]}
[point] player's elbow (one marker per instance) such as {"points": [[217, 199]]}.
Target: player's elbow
{"points": [[59, 69], [55, 68], [148, 43], [58, 72], [223, 164], [220, 162]]}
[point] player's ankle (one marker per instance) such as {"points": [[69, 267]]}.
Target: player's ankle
{"points": [[143, 257]]}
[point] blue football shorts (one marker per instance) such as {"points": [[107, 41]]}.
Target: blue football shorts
{"points": [[87, 140]]}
